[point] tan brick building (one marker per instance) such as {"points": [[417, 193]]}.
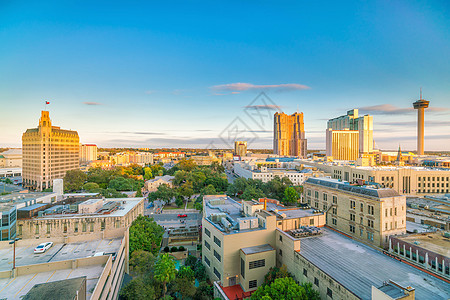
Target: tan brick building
{"points": [[123, 213], [366, 213], [289, 135], [48, 153]]}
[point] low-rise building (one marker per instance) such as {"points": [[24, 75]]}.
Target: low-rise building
{"points": [[152, 184], [11, 158], [265, 174], [368, 213], [62, 220]]}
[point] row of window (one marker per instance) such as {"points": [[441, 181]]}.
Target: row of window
{"points": [[316, 282]]}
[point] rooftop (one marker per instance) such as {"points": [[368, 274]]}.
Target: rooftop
{"points": [[433, 241], [56, 289], [25, 254], [257, 249], [359, 267], [365, 190], [7, 202], [297, 213]]}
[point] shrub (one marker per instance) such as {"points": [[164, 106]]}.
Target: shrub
{"points": [[166, 249], [173, 249], [181, 248]]}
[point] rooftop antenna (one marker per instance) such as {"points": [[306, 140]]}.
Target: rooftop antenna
{"points": [[420, 93]]}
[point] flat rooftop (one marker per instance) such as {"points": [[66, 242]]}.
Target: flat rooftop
{"points": [[359, 267], [433, 241], [364, 190], [25, 255], [9, 201], [257, 249], [222, 204], [297, 213], [16, 288]]}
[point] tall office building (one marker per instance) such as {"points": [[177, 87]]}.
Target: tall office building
{"points": [[240, 148], [289, 135], [349, 136], [88, 152], [48, 152]]}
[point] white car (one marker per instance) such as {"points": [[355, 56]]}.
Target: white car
{"points": [[43, 247]]}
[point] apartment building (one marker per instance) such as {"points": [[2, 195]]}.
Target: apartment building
{"points": [[289, 135], [48, 153], [367, 213], [88, 153]]}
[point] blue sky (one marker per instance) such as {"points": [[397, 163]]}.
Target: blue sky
{"points": [[184, 73]]}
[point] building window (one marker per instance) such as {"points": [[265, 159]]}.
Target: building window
{"points": [[325, 197], [334, 199], [362, 207], [37, 229], [242, 268], [217, 241], [207, 232], [324, 207], [370, 209], [281, 252], [305, 272], [352, 204], [257, 264], [207, 261], [370, 236], [334, 210], [252, 284], [311, 222], [334, 221], [102, 225], [207, 245], [92, 226], [352, 217], [352, 228], [370, 223], [316, 281], [20, 229], [281, 237], [395, 211], [48, 229], [361, 232], [329, 293], [316, 194], [75, 227], [217, 255], [217, 273], [84, 227]]}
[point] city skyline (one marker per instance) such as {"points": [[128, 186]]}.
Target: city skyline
{"points": [[159, 77]]}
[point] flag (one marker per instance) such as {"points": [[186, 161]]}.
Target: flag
{"points": [[46, 102]]}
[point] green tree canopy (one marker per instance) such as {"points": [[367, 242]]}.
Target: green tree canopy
{"points": [[281, 289], [145, 234], [290, 196], [165, 271], [89, 186], [74, 180]]}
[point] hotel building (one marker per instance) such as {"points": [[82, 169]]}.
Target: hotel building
{"points": [[349, 136], [48, 153], [289, 135]]}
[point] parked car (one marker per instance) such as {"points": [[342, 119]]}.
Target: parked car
{"points": [[41, 248], [182, 216]]}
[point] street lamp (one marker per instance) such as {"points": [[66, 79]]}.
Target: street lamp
{"points": [[14, 251]]}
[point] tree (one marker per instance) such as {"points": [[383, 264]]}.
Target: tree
{"points": [[204, 291], [311, 293], [165, 271], [290, 196], [184, 283], [190, 261], [89, 186], [146, 235], [74, 180], [163, 193], [252, 193], [179, 201], [186, 272], [280, 289], [209, 190], [148, 173], [275, 273], [141, 262], [121, 184], [187, 165], [138, 289], [200, 271]]}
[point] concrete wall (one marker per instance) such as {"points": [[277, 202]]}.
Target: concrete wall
{"points": [[256, 273]]}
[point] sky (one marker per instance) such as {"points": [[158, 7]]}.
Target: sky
{"points": [[201, 74]]}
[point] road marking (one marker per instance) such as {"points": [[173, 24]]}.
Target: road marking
{"points": [[26, 284], [8, 284], [51, 275], [69, 273]]}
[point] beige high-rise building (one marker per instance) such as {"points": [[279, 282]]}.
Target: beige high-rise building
{"points": [[240, 148], [289, 135], [349, 136], [88, 152], [48, 153]]}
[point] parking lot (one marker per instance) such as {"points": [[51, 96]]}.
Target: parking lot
{"points": [[25, 255], [171, 220]]}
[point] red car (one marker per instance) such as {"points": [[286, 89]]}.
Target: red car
{"points": [[182, 216]]}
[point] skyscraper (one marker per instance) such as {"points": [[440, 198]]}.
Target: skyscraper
{"points": [[48, 152], [289, 135], [240, 148], [88, 152], [349, 136]]}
